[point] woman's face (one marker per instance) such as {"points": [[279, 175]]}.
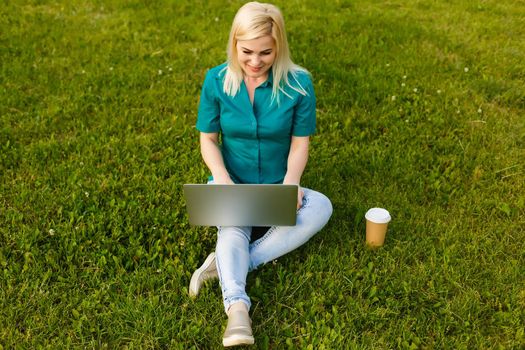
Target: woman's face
{"points": [[256, 56]]}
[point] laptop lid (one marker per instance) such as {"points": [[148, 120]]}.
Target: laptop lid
{"points": [[241, 205]]}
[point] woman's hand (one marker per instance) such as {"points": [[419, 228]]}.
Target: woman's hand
{"points": [[222, 180], [300, 195]]}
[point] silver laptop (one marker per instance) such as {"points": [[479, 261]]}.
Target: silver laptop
{"points": [[241, 205]]}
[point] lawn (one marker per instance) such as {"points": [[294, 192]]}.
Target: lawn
{"points": [[420, 110]]}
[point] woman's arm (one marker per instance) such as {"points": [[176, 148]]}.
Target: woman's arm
{"points": [[212, 156], [297, 159]]}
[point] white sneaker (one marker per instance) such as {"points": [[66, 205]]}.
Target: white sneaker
{"points": [[208, 270], [239, 328]]}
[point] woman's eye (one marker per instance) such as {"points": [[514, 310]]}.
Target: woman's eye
{"points": [[246, 52]]}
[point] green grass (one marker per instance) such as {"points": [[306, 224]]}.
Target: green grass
{"points": [[98, 104]]}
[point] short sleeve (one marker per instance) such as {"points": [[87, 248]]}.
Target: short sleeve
{"points": [[304, 113], [209, 112]]}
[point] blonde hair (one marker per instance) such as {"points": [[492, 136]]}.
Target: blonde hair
{"points": [[252, 21]]}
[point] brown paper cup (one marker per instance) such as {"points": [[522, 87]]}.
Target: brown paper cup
{"points": [[377, 220]]}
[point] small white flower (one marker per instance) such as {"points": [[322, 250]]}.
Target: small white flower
{"points": [[170, 69], [388, 64], [406, 120], [86, 194], [439, 91], [415, 89], [403, 84], [83, 71], [400, 110], [81, 163], [51, 232], [458, 111], [216, 19], [110, 68], [404, 76], [159, 270], [465, 69], [160, 72], [479, 110], [393, 98]]}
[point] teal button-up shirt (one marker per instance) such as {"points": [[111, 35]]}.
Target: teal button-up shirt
{"points": [[256, 138]]}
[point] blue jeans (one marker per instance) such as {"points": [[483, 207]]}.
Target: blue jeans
{"points": [[236, 256]]}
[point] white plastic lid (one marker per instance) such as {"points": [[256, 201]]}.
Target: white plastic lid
{"points": [[378, 215]]}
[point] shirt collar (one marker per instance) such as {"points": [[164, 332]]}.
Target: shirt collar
{"points": [[269, 80]]}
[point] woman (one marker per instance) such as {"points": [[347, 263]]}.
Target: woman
{"points": [[263, 105]]}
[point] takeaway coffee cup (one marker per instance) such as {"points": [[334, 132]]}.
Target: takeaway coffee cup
{"points": [[377, 220]]}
